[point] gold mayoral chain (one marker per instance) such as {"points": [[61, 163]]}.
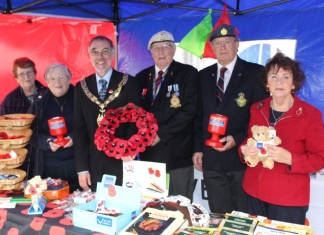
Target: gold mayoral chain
{"points": [[103, 105]]}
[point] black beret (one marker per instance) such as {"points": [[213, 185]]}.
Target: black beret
{"points": [[224, 30]]}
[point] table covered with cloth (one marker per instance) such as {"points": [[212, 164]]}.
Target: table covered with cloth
{"points": [[17, 221]]}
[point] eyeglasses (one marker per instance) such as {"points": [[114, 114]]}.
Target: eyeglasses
{"points": [[28, 73], [164, 47], [60, 79], [226, 43], [104, 51]]}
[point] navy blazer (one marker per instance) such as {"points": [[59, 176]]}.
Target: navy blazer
{"points": [[243, 90], [175, 123]]}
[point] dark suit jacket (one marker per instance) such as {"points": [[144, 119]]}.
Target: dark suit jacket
{"points": [[175, 124], [245, 80], [87, 156]]}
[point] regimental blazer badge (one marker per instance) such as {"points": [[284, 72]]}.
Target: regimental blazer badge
{"points": [[241, 101]]}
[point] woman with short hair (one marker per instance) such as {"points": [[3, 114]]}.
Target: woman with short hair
{"points": [[51, 159], [22, 97]]}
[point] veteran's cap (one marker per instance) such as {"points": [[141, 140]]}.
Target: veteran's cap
{"points": [[224, 30], [162, 36]]}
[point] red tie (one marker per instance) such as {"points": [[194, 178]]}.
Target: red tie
{"points": [[158, 80], [220, 86]]}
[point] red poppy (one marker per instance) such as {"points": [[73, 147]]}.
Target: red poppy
{"points": [[3, 217], [54, 213], [130, 106], [32, 190], [122, 146], [57, 230], [132, 148], [3, 136], [51, 205], [13, 231], [157, 173], [120, 111], [114, 123], [66, 221], [153, 128], [112, 191], [141, 147], [25, 211], [37, 223]]}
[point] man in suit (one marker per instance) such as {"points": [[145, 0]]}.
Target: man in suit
{"points": [[230, 94], [172, 97], [91, 94]]}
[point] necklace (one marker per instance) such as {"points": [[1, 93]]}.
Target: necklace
{"points": [[61, 106], [276, 119], [103, 105]]}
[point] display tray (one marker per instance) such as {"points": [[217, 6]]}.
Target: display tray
{"points": [[14, 183], [17, 121], [16, 142], [10, 163], [58, 194]]}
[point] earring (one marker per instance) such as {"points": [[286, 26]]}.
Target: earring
{"points": [[293, 91], [267, 90]]}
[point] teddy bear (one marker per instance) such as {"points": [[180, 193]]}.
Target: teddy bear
{"points": [[262, 135]]}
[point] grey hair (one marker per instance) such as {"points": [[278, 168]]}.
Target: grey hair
{"points": [[102, 38], [56, 65]]}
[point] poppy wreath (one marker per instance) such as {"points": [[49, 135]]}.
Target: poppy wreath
{"points": [[104, 137]]}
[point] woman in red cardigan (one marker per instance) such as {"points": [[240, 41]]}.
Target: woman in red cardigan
{"points": [[283, 192]]}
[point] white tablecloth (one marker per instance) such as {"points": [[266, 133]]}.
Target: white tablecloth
{"points": [[315, 213]]}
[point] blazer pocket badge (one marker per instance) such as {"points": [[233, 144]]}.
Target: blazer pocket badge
{"points": [[175, 102], [241, 101]]}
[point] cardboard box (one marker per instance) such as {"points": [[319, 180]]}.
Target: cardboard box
{"points": [[127, 200]]}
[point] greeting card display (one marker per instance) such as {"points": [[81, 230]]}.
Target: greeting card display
{"points": [[217, 126], [149, 177], [58, 128]]}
